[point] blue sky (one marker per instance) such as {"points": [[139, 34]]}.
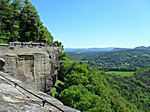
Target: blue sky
{"points": [[97, 23]]}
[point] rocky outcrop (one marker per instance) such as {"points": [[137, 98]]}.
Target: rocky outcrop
{"points": [[36, 66], [16, 96], [25, 71]]}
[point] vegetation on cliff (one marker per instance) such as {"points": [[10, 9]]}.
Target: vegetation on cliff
{"points": [[19, 21], [90, 90]]}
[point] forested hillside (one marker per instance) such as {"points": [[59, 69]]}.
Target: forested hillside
{"points": [[89, 90], [124, 60], [135, 89], [19, 21], [86, 89]]}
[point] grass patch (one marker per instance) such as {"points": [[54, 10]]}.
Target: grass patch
{"points": [[121, 73]]}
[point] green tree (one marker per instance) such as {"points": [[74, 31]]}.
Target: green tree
{"points": [[10, 13], [45, 35], [86, 89], [16, 7], [5, 12], [29, 23], [71, 96], [19, 21]]}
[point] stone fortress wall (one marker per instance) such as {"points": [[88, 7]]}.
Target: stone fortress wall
{"points": [[35, 64]]}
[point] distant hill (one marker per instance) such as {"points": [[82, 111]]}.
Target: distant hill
{"points": [[89, 49], [118, 59], [143, 48], [107, 49], [120, 49]]}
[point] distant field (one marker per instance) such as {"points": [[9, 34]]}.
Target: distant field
{"points": [[122, 73]]}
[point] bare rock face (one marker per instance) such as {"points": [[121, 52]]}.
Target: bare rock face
{"points": [[36, 66], [26, 71], [15, 96]]}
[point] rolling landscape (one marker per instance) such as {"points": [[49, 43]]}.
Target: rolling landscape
{"points": [[126, 71], [121, 59], [46, 45]]}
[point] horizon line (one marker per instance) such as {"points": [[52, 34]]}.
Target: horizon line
{"points": [[103, 47]]}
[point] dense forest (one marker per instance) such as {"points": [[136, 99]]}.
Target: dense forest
{"points": [[124, 60], [89, 89], [135, 89], [19, 21]]}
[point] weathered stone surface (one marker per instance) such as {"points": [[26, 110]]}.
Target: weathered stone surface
{"points": [[34, 65], [15, 99], [28, 71]]}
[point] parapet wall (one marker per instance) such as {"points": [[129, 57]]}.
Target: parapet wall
{"points": [[35, 65]]}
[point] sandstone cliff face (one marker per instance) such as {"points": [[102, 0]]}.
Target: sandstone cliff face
{"points": [[35, 66], [13, 98], [25, 71]]}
